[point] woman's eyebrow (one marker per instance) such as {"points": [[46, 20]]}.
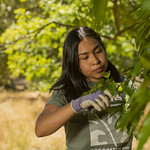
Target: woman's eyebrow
{"points": [[98, 45], [83, 53]]}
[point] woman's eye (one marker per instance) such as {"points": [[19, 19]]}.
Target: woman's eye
{"points": [[99, 51], [83, 58]]}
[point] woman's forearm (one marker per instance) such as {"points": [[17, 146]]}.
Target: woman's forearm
{"points": [[52, 118]]}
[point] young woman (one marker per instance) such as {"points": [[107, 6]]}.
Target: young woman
{"points": [[84, 60]]}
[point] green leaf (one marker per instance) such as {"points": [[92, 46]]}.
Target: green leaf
{"points": [[114, 110], [123, 120], [112, 88], [137, 69], [106, 74], [127, 89], [98, 8], [146, 60], [145, 31], [146, 4]]}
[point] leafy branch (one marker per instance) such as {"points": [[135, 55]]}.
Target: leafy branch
{"points": [[37, 31], [118, 33]]}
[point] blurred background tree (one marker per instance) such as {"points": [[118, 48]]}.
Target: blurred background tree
{"points": [[33, 32], [7, 18]]}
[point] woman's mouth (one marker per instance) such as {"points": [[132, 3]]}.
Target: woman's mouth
{"points": [[99, 70]]}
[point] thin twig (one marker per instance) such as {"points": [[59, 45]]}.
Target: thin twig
{"points": [[140, 124]]}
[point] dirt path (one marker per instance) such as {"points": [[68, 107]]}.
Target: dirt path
{"points": [[19, 111]]}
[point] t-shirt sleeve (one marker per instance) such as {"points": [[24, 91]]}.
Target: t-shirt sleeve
{"points": [[57, 98]]}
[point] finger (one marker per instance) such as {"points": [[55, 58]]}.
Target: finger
{"points": [[96, 106], [85, 104], [89, 103], [106, 92], [104, 99], [101, 103]]}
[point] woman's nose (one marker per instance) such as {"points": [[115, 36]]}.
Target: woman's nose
{"points": [[95, 60]]}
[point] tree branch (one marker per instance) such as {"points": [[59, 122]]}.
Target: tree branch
{"points": [[142, 119], [118, 33], [115, 10], [57, 23], [37, 31]]}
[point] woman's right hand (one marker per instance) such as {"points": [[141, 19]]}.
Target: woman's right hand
{"points": [[99, 101]]}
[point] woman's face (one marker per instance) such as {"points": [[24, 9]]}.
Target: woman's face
{"points": [[92, 59]]}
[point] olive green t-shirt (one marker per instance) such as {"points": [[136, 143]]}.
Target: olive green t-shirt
{"points": [[87, 131]]}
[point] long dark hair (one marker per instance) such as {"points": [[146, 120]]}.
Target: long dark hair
{"points": [[72, 82]]}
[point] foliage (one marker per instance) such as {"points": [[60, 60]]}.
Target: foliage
{"points": [[138, 102], [34, 46], [7, 17]]}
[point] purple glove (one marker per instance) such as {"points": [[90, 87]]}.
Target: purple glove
{"points": [[98, 101]]}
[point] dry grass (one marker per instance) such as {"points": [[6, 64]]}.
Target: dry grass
{"points": [[18, 113]]}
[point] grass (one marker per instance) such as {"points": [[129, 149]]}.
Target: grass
{"points": [[18, 113]]}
